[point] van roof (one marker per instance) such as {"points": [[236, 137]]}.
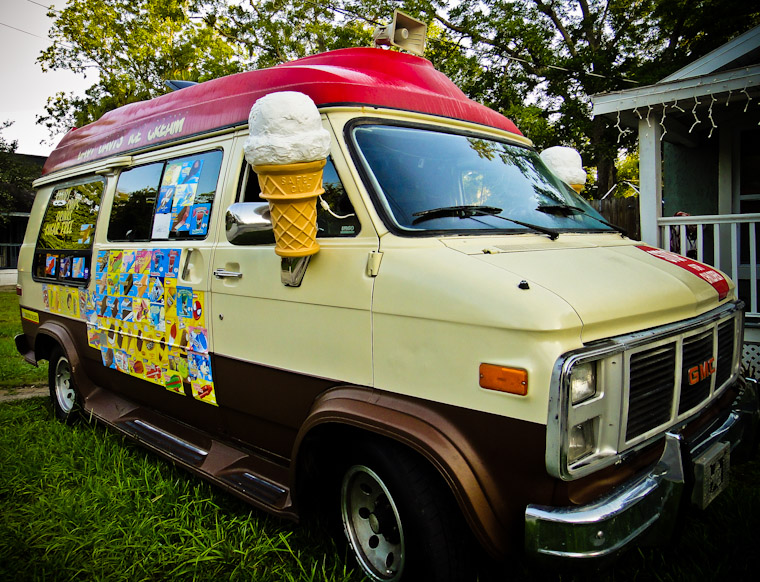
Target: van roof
{"points": [[358, 76]]}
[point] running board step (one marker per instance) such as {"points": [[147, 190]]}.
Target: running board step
{"points": [[256, 479]]}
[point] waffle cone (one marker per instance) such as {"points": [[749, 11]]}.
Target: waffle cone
{"points": [[292, 191]]}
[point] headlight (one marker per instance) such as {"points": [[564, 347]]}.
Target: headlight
{"points": [[582, 382], [581, 440]]}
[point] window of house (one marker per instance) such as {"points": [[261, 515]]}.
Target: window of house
{"points": [[64, 245], [166, 200]]}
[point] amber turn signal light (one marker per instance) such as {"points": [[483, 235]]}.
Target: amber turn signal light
{"points": [[511, 380]]}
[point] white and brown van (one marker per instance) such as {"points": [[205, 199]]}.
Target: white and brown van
{"points": [[472, 343]]}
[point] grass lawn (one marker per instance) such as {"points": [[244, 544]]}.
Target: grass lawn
{"points": [[83, 503], [14, 370]]}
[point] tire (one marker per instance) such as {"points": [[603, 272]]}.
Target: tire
{"points": [[401, 522], [63, 391]]}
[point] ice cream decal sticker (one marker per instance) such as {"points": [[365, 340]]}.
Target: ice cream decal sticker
{"points": [[143, 322], [704, 272], [176, 208]]}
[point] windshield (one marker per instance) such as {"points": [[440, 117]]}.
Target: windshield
{"points": [[428, 180]]}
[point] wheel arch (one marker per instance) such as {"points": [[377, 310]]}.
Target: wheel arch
{"points": [[52, 334], [350, 413]]}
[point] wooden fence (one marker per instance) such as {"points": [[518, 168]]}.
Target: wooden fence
{"points": [[623, 212]]}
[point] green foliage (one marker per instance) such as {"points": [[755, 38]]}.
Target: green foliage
{"points": [[84, 504], [132, 46], [627, 174], [14, 370], [16, 177]]}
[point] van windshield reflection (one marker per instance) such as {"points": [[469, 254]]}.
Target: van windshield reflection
{"points": [[433, 181]]}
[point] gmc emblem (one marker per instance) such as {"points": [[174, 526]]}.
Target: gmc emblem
{"points": [[701, 371]]}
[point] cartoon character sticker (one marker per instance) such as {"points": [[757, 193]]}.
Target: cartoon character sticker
{"points": [[204, 391], [199, 217], [165, 198], [158, 263], [184, 302], [172, 262], [128, 262], [142, 261], [114, 261], [51, 262], [197, 339], [78, 270], [101, 263]]}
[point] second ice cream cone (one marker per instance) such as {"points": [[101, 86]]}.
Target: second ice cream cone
{"points": [[292, 191]]}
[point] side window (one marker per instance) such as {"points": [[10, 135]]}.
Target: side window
{"points": [[335, 213], [133, 203], [166, 200], [64, 245]]}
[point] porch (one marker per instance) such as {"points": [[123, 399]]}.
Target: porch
{"points": [[699, 152]]}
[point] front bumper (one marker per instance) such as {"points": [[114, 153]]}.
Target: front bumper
{"points": [[648, 504]]}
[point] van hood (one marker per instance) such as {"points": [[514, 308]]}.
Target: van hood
{"points": [[614, 285]]}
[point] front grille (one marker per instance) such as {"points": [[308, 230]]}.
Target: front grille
{"points": [[651, 394], [655, 381], [725, 352], [696, 373]]}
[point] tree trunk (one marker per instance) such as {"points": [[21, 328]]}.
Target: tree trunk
{"points": [[604, 157]]}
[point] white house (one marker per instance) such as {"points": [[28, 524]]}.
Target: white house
{"points": [[699, 146]]}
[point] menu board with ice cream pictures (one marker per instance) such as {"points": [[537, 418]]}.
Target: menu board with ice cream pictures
{"points": [[182, 207], [146, 324]]}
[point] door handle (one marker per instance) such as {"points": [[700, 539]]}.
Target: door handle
{"points": [[225, 274]]}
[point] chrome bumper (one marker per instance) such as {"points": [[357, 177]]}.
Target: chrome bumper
{"points": [[647, 504]]}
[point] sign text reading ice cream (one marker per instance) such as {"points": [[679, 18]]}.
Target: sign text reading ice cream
{"points": [[155, 131]]}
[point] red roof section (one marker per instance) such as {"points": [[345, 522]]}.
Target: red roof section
{"points": [[365, 76]]}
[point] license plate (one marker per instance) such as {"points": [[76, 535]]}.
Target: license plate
{"points": [[710, 474]]}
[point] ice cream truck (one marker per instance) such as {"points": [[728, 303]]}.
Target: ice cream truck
{"points": [[421, 330]]}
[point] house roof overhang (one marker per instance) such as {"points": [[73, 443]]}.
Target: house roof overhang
{"points": [[680, 106]]}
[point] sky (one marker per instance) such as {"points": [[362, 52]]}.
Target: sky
{"points": [[25, 88]]}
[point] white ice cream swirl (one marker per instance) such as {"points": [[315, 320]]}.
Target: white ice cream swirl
{"points": [[285, 128]]}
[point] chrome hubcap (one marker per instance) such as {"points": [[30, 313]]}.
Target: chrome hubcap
{"points": [[64, 391], [372, 525]]}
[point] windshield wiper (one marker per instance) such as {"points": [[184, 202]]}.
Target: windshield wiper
{"points": [[472, 211], [567, 209]]}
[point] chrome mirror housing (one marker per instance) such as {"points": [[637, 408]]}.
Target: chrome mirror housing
{"points": [[249, 223]]}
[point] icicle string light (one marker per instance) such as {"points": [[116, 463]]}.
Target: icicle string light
{"points": [[694, 113]]}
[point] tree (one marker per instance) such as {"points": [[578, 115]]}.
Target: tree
{"points": [[132, 46], [16, 177]]}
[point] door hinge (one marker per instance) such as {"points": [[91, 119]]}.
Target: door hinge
{"points": [[373, 263]]}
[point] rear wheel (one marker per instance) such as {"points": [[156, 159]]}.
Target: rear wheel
{"points": [[400, 520], [63, 391]]}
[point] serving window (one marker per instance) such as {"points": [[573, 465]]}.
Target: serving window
{"points": [[166, 200], [64, 244]]}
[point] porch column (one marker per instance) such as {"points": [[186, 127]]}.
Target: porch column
{"points": [[650, 175]]}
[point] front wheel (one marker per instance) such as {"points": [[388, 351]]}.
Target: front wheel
{"points": [[63, 391], [400, 520]]}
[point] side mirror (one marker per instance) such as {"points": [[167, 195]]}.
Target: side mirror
{"points": [[249, 223]]}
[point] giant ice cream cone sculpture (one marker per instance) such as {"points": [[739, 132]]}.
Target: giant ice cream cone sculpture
{"points": [[292, 190], [287, 148], [567, 165]]}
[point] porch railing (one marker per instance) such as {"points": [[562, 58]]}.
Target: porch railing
{"points": [[728, 242]]}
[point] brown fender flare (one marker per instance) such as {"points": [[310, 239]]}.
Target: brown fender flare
{"points": [[60, 335], [429, 433]]}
